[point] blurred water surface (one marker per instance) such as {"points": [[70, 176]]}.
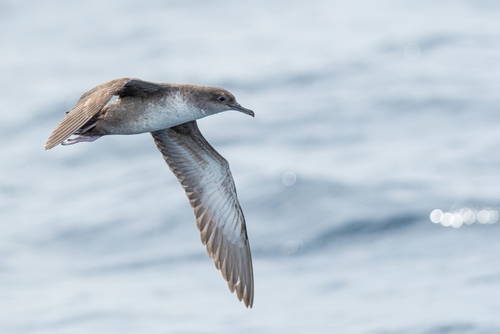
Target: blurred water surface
{"points": [[369, 116]]}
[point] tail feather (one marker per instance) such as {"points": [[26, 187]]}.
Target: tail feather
{"points": [[70, 124]]}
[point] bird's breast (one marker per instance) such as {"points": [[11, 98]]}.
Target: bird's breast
{"points": [[136, 115]]}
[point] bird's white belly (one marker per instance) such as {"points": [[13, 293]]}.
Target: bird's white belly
{"points": [[130, 116]]}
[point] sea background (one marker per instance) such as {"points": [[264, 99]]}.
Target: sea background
{"points": [[369, 116]]}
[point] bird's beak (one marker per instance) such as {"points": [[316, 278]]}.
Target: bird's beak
{"points": [[238, 107]]}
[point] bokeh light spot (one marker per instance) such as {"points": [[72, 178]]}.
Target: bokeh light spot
{"points": [[463, 216], [289, 179], [293, 247], [411, 51], [436, 216], [493, 216], [446, 219], [468, 215], [456, 220], [483, 216]]}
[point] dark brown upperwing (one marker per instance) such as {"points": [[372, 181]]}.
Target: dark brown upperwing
{"points": [[87, 107], [142, 89]]}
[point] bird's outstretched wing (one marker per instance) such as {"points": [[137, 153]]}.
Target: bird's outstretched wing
{"points": [[92, 102], [205, 176]]}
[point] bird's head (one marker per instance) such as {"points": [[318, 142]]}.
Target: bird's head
{"points": [[214, 100]]}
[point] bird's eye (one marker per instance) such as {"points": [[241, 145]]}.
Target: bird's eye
{"points": [[222, 98]]}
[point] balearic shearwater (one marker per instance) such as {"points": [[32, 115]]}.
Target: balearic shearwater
{"points": [[169, 111]]}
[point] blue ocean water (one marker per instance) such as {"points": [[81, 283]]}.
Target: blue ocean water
{"points": [[369, 116]]}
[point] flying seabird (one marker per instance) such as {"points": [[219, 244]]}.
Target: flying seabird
{"points": [[169, 112]]}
